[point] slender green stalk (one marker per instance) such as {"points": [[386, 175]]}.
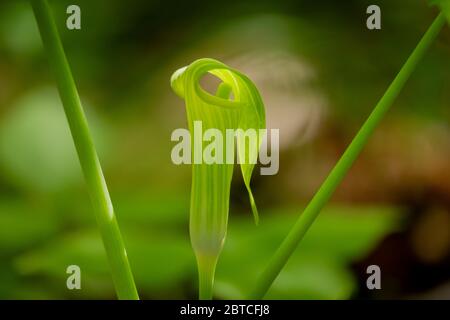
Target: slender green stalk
{"points": [[344, 164], [206, 271], [112, 239], [444, 5]]}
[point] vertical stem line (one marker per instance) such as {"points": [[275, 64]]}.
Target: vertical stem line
{"points": [[344, 164], [206, 271], [109, 229]]}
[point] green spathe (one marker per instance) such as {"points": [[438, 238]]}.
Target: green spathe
{"points": [[210, 191]]}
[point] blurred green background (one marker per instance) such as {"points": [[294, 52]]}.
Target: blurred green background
{"points": [[320, 72]]}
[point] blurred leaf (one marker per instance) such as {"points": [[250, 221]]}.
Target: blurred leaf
{"points": [[18, 31], [162, 259], [319, 268], [22, 226], [36, 149], [350, 232], [313, 276], [159, 261], [309, 276], [153, 207]]}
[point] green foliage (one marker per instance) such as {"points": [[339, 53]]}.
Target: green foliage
{"points": [[85, 249], [319, 269], [23, 226], [17, 29], [44, 158], [41, 252]]}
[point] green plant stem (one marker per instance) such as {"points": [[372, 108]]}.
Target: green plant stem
{"points": [[112, 239], [206, 269], [344, 164]]}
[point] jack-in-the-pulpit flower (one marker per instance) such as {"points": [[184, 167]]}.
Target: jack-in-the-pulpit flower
{"points": [[236, 105]]}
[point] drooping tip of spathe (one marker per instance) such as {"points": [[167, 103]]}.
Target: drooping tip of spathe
{"points": [[254, 209]]}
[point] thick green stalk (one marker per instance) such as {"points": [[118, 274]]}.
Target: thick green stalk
{"points": [[112, 239], [344, 164]]}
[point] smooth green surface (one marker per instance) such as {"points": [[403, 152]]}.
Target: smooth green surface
{"points": [[344, 164], [211, 183], [89, 161], [444, 5]]}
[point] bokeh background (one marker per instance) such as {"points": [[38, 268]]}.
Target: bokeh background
{"points": [[320, 73]]}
